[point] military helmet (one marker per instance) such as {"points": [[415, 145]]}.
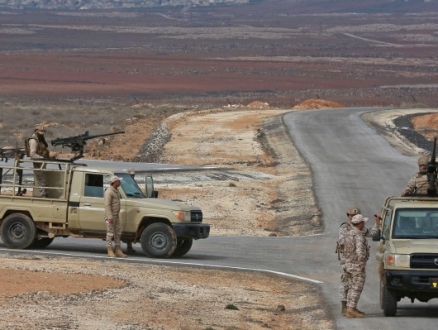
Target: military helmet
{"points": [[353, 210], [423, 160], [39, 128]]}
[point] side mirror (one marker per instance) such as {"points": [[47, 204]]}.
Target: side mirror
{"points": [[149, 187], [377, 237], [154, 194]]}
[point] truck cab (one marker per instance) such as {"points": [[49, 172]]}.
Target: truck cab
{"points": [[407, 253]]}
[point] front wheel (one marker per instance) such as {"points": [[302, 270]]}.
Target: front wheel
{"points": [[183, 247], [18, 231], [158, 240], [389, 302]]}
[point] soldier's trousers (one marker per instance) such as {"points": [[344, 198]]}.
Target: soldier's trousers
{"points": [[41, 178], [113, 230], [343, 289], [356, 282]]}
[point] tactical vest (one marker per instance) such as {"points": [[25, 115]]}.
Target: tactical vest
{"points": [[41, 148]]}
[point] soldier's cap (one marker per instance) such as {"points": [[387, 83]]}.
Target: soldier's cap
{"points": [[423, 160], [131, 171], [115, 178], [358, 218], [353, 210], [39, 128]]}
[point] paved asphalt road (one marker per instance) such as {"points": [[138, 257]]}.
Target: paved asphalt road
{"points": [[351, 165]]}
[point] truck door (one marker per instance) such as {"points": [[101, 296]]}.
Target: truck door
{"points": [[91, 203]]}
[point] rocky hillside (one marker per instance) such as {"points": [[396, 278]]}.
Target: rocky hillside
{"points": [[105, 4]]}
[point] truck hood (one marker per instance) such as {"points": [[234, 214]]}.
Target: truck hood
{"points": [[157, 203], [408, 246]]}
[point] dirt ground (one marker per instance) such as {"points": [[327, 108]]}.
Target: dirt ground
{"points": [[45, 292]]}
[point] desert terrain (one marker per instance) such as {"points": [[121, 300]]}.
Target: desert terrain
{"points": [[201, 85]]}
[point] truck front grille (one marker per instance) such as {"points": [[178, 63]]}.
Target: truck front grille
{"points": [[196, 216], [424, 260]]}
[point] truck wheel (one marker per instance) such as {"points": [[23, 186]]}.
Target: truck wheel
{"points": [[183, 246], [41, 243], [389, 302], [18, 231], [158, 240]]}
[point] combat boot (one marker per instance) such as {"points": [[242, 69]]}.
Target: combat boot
{"points": [[111, 252], [359, 311], [118, 252], [344, 308], [353, 314]]}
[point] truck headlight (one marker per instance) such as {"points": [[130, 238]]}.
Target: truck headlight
{"points": [[181, 215], [398, 260]]}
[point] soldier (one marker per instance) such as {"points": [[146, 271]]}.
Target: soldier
{"points": [[419, 182], [129, 248], [112, 210], [343, 230], [131, 172], [36, 148], [356, 254]]}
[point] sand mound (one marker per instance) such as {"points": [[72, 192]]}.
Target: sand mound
{"points": [[317, 104], [259, 105]]}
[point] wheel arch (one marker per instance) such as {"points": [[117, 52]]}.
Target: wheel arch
{"points": [[147, 221], [11, 211]]}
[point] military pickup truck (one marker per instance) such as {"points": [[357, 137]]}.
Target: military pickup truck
{"points": [[407, 253], [75, 207]]}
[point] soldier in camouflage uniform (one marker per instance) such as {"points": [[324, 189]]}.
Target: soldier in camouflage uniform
{"points": [[36, 148], [418, 183], [356, 254], [113, 226], [343, 230]]}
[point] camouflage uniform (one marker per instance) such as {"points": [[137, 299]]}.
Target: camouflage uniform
{"points": [[356, 254], [38, 150], [343, 231], [418, 183], [112, 210]]}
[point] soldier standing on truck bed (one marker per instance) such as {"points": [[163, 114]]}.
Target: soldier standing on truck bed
{"points": [[356, 254], [36, 148], [419, 182], [343, 230], [112, 219]]}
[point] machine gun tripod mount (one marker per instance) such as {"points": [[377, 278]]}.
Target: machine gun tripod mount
{"points": [[78, 142]]}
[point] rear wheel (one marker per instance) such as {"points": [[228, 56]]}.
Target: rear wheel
{"points": [[18, 231], [183, 247], [158, 240], [389, 302]]}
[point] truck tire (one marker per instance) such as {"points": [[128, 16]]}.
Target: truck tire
{"points": [[41, 243], [183, 246], [158, 240], [18, 231], [389, 302]]}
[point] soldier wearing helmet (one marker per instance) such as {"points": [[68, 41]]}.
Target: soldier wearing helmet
{"points": [[418, 183], [343, 231], [36, 148]]}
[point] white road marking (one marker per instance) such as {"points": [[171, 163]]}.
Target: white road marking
{"points": [[158, 261]]}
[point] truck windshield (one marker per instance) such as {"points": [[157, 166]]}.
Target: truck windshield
{"points": [[415, 223], [129, 186]]}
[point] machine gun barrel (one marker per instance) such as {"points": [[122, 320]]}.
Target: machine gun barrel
{"points": [[78, 142], [432, 171], [5, 154]]}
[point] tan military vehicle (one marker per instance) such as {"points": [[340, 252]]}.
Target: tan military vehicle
{"points": [[75, 207], [407, 253]]}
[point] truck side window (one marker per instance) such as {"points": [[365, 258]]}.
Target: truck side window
{"points": [[93, 185]]}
